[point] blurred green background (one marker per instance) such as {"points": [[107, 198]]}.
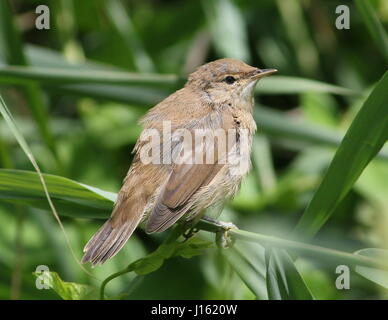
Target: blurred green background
{"points": [[85, 130]]}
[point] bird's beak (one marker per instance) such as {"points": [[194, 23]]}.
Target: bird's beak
{"points": [[260, 73]]}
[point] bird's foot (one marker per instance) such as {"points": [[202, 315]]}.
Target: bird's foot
{"points": [[222, 224], [223, 239]]}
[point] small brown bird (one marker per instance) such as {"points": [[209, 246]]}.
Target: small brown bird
{"points": [[174, 182]]}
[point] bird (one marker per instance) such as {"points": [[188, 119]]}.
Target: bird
{"points": [[164, 184]]}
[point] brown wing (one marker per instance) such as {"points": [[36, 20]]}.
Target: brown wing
{"points": [[184, 181], [174, 201]]}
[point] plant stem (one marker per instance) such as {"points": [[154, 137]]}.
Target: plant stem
{"points": [[110, 278], [298, 247]]}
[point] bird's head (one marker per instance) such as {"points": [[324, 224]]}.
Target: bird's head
{"points": [[227, 80]]}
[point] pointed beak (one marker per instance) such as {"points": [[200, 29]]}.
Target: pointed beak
{"points": [[260, 73]]}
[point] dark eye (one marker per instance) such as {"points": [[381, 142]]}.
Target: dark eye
{"points": [[229, 80]]}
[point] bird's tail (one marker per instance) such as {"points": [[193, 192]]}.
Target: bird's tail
{"points": [[111, 237]]}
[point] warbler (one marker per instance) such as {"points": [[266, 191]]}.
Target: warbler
{"points": [[176, 175]]}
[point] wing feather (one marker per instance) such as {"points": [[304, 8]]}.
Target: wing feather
{"points": [[174, 201], [186, 179]]}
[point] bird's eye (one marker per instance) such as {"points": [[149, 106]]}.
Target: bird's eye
{"points": [[229, 80]]}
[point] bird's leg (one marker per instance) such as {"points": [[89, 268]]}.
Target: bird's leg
{"points": [[190, 224], [191, 230], [224, 225], [223, 239]]}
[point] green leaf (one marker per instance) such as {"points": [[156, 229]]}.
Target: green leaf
{"points": [[79, 200], [26, 149], [187, 249], [127, 87], [71, 76], [300, 248], [154, 260], [192, 247], [363, 140], [376, 275], [248, 266], [276, 124], [138, 96], [82, 201], [292, 85], [62, 76], [70, 197], [46, 57], [374, 25], [372, 185], [284, 282], [69, 290]]}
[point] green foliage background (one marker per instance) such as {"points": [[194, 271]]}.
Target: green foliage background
{"points": [[77, 90]]}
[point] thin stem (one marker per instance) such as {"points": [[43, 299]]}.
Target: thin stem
{"points": [[17, 74], [110, 278], [298, 247]]}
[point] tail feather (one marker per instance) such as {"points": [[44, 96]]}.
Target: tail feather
{"points": [[112, 236], [106, 242], [119, 243]]}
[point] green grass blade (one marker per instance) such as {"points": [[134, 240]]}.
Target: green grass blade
{"points": [[137, 96], [46, 57], [83, 201], [73, 76], [363, 140], [374, 274], [284, 281], [276, 124], [293, 85], [253, 278], [70, 197], [26, 149], [304, 249], [110, 85], [375, 27], [62, 76]]}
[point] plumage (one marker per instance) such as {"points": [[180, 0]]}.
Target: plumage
{"points": [[162, 193]]}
